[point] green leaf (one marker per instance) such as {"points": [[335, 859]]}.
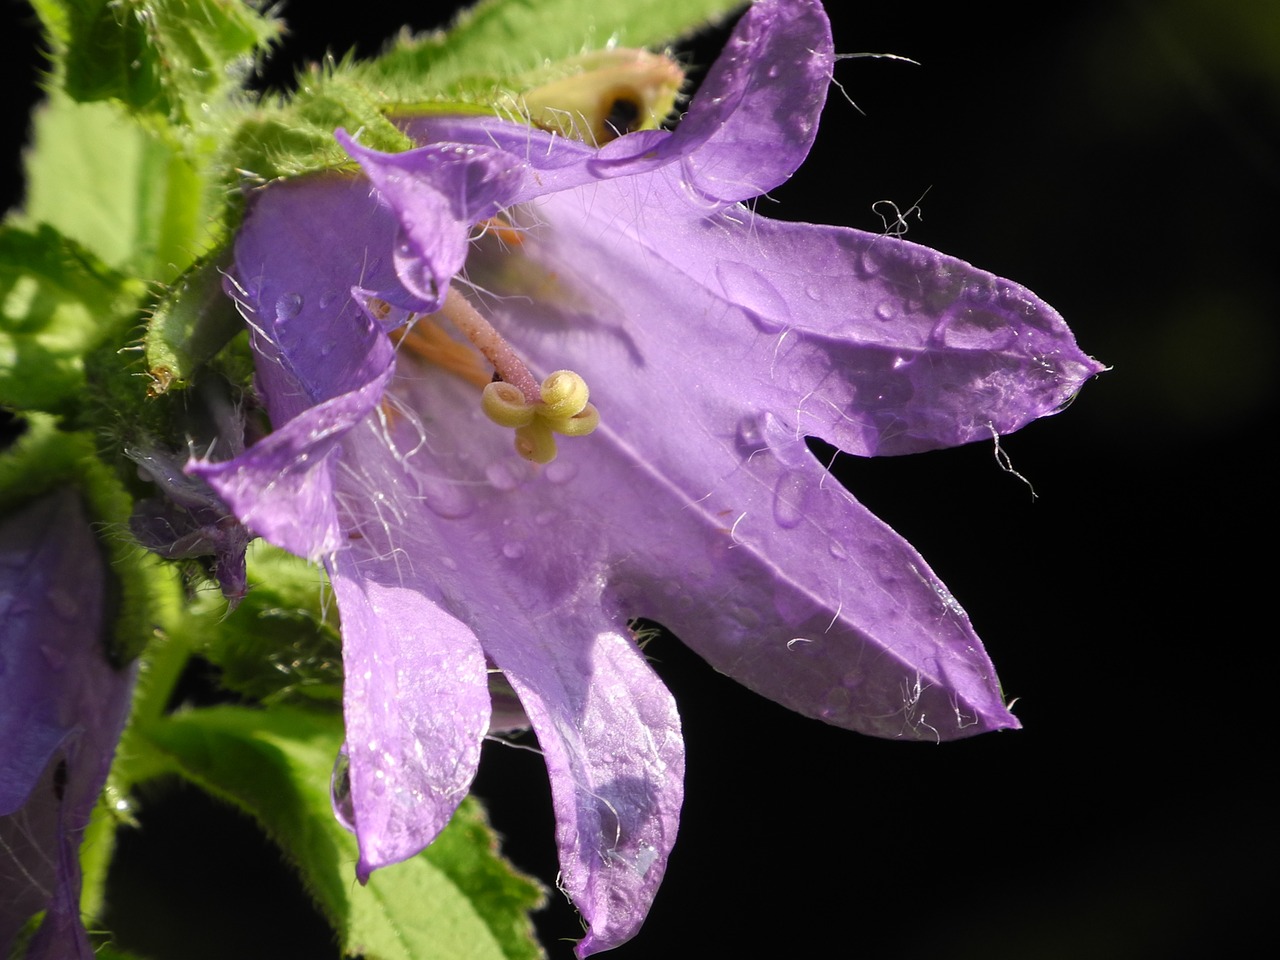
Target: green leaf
{"points": [[133, 199], [456, 901], [191, 323], [56, 301], [165, 57]]}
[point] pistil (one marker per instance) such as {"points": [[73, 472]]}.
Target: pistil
{"points": [[512, 398], [510, 368]]}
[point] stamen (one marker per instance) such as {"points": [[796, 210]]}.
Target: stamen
{"points": [[426, 339]]}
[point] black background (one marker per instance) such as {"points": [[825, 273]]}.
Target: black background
{"points": [[1123, 160]]}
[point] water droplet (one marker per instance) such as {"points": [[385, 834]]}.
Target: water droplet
{"points": [[885, 310], [835, 704], [513, 550], [561, 471], [837, 549], [544, 517], [288, 306], [974, 329], [445, 499], [326, 299], [789, 495], [449, 563], [750, 436], [752, 290], [508, 473]]}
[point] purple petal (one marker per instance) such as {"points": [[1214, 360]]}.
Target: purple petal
{"points": [[416, 708], [878, 345], [755, 116], [437, 193], [610, 734], [283, 486], [606, 724], [62, 707], [313, 343]]}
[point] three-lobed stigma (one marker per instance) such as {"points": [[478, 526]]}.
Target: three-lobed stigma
{"points": [[563, 407]]}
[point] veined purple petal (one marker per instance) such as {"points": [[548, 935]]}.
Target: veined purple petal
{"points": [[62, 707], [756, 115], [751, 125], [610, 734], [606, 724], [416, 709], [437, 193], [878, 345]]}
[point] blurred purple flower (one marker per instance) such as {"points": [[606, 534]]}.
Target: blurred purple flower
{"points": [[62, 708], [713, 341]]}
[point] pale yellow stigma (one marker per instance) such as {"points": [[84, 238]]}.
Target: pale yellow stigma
{"points": [[510, 396], [563, 409]]}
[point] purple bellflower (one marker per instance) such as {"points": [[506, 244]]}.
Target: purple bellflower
{"points": [[62, 708], [712, 341]]}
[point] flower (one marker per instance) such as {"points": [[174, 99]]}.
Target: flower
{"points": [[712, 341], [62, 708]]}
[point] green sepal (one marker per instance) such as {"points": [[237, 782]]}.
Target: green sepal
{"points": [[276, 763], [493, 53], [503, 39], [55, 300], [193, 321], [277, 645]]}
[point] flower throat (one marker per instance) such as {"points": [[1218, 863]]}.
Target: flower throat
{"points": [[511, 397]]}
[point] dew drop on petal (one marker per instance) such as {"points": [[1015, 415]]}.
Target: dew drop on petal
{"points": [[288, 306], [974, 329], [749, 437], [753, 291], [835, 704], [885, 310], [508, 474], [513, 550], [561, 471], [444, 498], [789, 495]]}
